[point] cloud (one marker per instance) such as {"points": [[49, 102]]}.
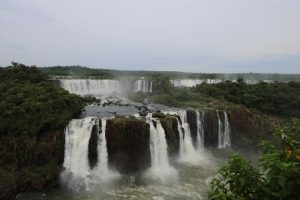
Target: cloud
{"points": [[193, 35]]}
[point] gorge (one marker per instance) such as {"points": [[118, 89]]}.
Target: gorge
{"points": [[111, 147]]}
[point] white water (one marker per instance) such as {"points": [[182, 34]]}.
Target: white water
{"points": [[227, 140], [99, 87], [102, 171], [200, 130], [187, 152], [223, 131], [94, 87], [193, 82], [160, 166], [142, 85], [77, 136]]}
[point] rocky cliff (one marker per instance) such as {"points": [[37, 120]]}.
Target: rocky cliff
{"points": [[33, 163]]}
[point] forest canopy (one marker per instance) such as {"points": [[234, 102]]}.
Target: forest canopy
{"points": [[29, 104]]}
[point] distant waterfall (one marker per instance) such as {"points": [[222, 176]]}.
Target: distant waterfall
{"points": [[77, 136], [142, 85], [187, 150], [160, 167], [193, 82], [200, 130], [94, 87], [223, 131]]}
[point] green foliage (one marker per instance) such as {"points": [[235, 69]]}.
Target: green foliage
{"points": [[31, 105], [279, 179], [273, 98], [20, 72], [77, 71]]}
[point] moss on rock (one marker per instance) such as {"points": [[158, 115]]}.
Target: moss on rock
{"points": [[170, 126], [128, 144]]}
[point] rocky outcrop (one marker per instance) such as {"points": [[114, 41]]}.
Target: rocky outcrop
{"points": [[248, 128], [192, 120], [210, 129], [128, 144], [93, 147], [30, 162], [170, 126]]}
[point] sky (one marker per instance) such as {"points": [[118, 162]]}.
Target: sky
{"points": [[176, 35]]}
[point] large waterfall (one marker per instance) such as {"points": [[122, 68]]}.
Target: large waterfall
{"points": [[200, 130], [223, 131], [77, 135], [99, 87], [160, 166], [187, 150], [94, 87], [142, 85]]}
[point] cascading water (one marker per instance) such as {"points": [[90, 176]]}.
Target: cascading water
{"points": [[227, 140], [187, 150], [200, 130], [76, 163], [142, 85], [94, 87], [102, 171], [160, 166], [77, 136], [193, 82], [223, 131]]}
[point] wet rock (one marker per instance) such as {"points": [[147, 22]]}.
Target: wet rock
{"points": [[210, 129], [37, 183], [169, 123], [158, 115], [128, 144], [143, 114], [93, 147], [192, 120]]}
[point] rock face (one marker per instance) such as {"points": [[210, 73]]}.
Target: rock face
{"points": [[248, 129], [191, 118], [30, 163], [93, 147], [210, 129], [170, 126], [34, 162], [128, 144]]}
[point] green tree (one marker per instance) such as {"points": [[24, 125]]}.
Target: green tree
{"points": [[279, 178]]}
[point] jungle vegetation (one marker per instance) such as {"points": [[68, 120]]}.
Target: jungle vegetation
{"points": [[29, 104], [278, 179]]}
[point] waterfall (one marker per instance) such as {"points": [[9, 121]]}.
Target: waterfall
{"points": [[77, 172], [158, 146], [142, 85], [187, 150], [102, 170], [193, 82], [227, 140], [94, 87], [223, 131], [160, 167], [77, 136], [200, 130]]}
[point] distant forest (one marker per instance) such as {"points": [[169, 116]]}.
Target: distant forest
{"points": [[80, 71]]}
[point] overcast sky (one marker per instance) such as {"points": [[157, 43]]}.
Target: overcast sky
{"points": [[184, 35]]}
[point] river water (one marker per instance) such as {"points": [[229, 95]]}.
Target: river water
{"points": [[191, 182]]}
